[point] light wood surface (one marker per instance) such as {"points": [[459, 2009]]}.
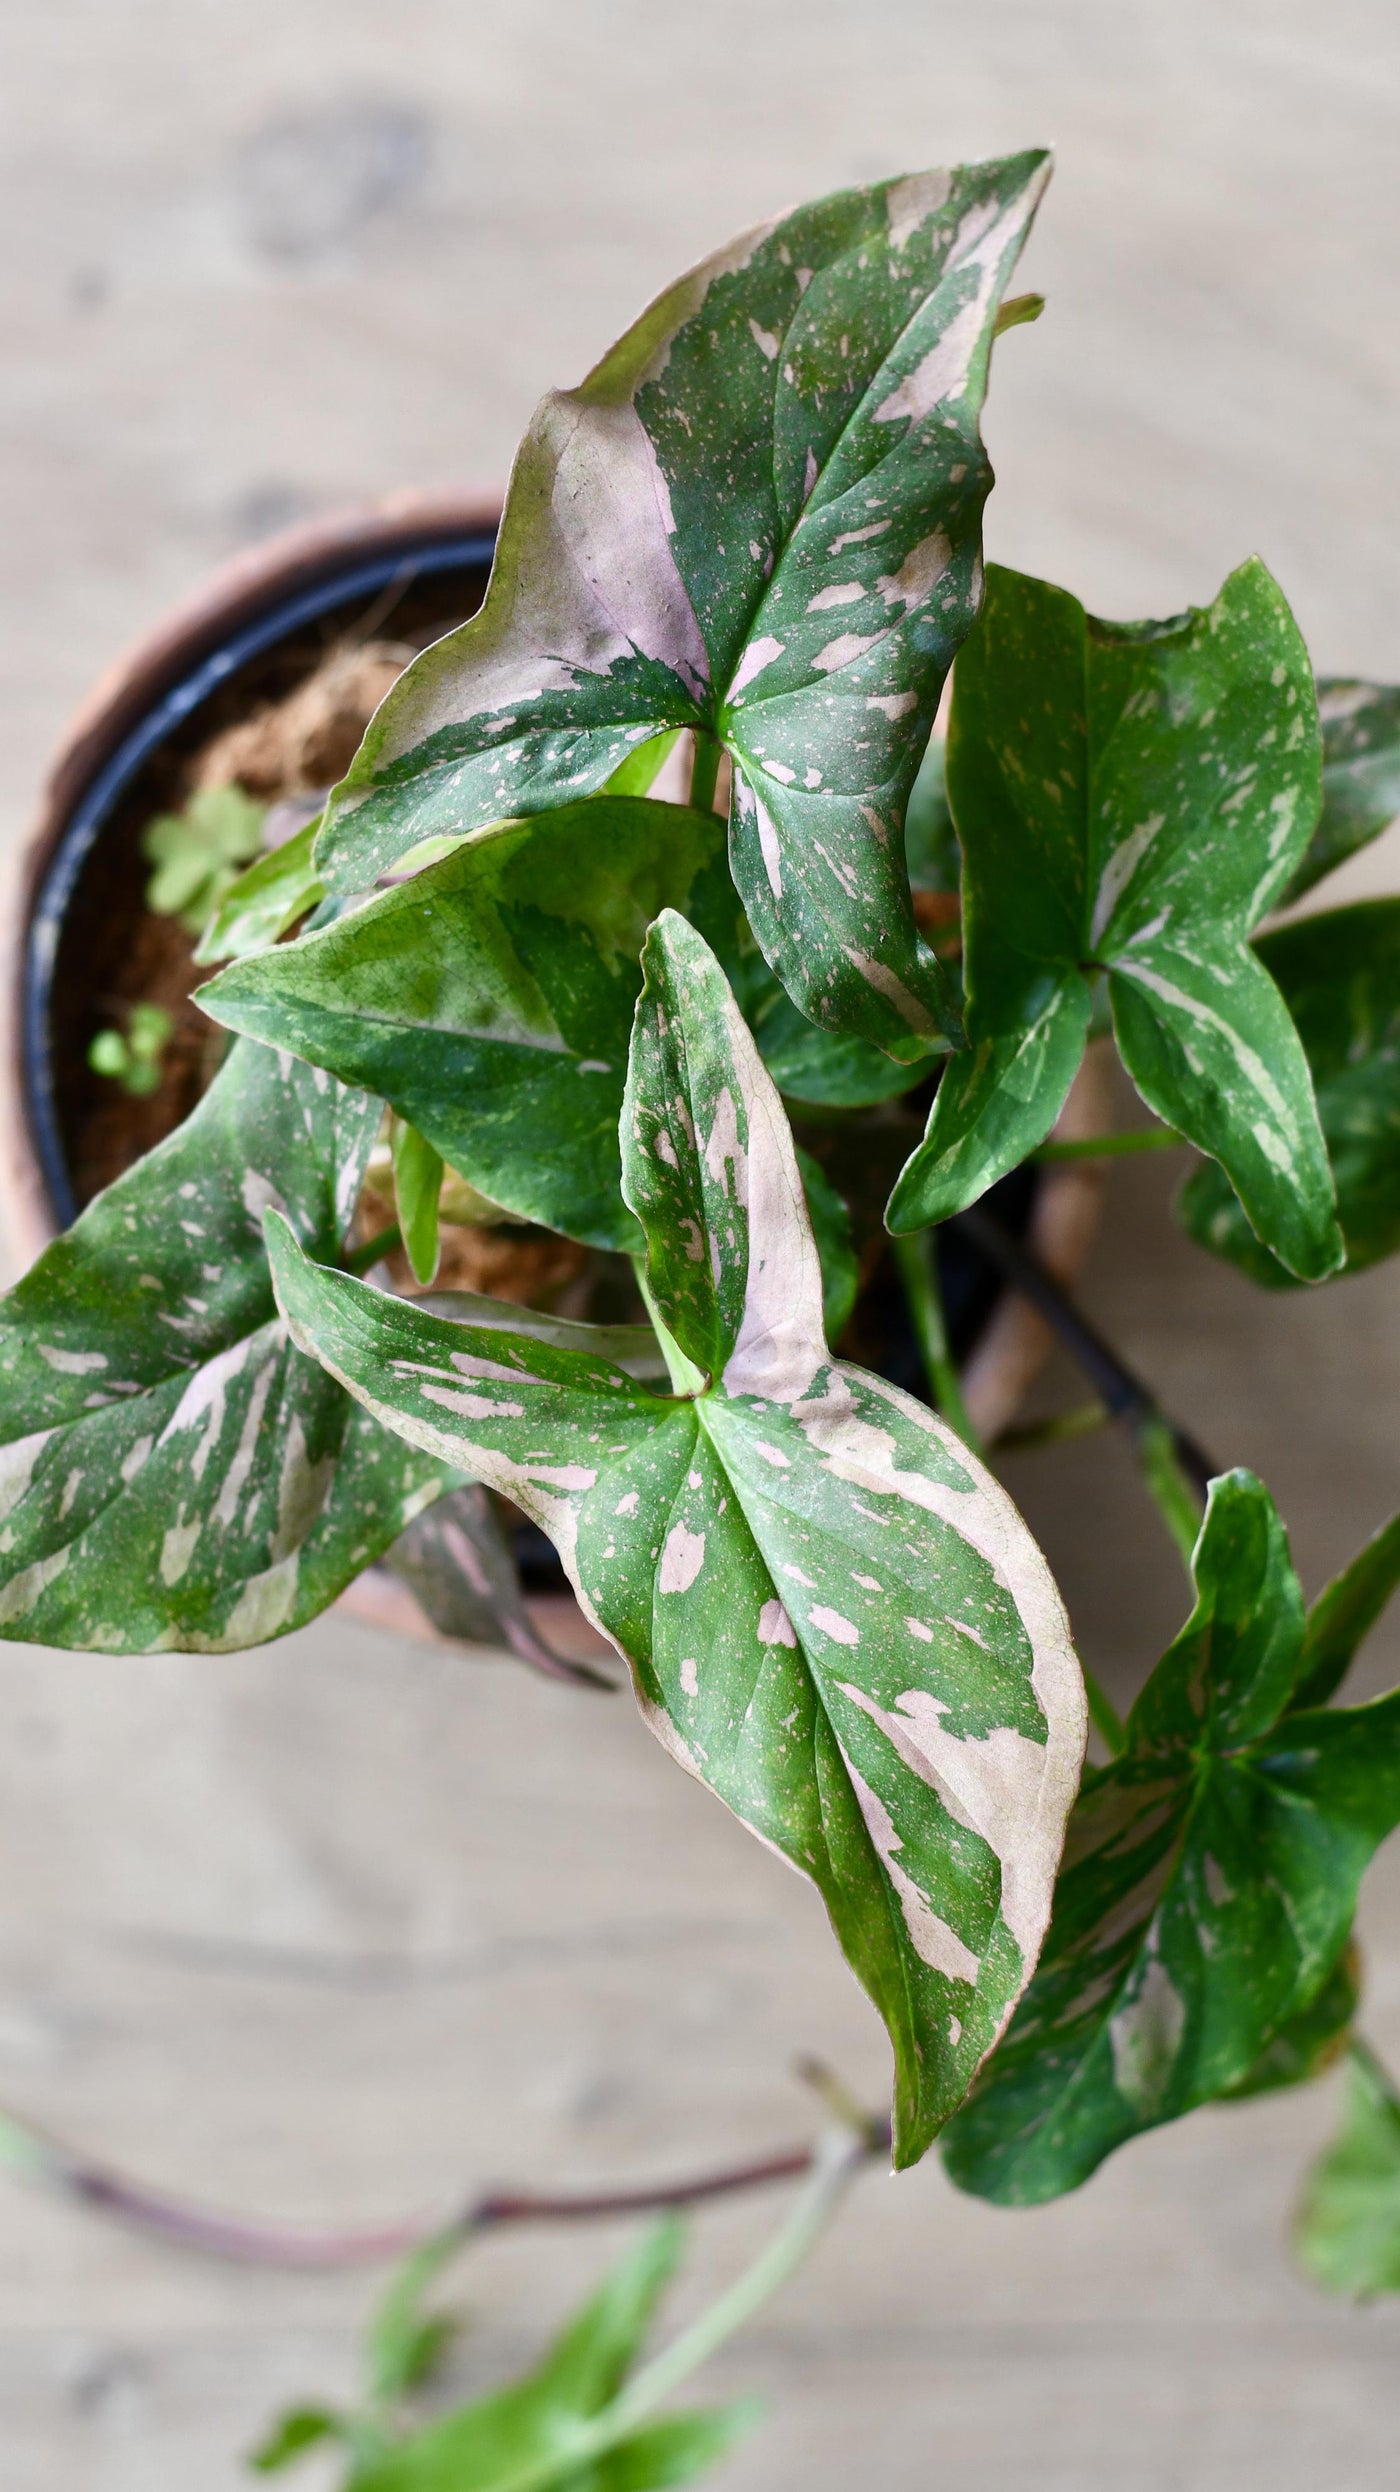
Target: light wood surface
{"points": [[349, 1925]]}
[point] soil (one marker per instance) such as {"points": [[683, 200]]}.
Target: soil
{"points": [[283, 726]]}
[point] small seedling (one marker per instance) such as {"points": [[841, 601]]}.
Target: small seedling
{"points": [[198, 853], [134, 1057]]}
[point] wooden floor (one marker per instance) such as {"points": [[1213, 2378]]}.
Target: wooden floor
{"points": [[348, 1927]]}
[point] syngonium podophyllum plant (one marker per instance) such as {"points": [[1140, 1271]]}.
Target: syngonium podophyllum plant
{"points": [[756, 527]]}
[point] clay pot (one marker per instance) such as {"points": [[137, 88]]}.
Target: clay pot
{"points": [[77, 939]]}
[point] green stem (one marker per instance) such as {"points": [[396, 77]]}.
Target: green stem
{"points": [[916, 1258], [704, 772], [1059, 1429], [1174, 1495], [383, 1242], [1112, 1146], [1104, 1714]]}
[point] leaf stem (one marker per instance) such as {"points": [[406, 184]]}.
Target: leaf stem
{"points": [[32, 2156], [1060, 1428], [704, 772], [1176, 1469], [362, 1258], [1112, 1146], [916, 1260]]}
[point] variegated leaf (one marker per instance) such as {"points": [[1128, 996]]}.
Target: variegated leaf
{"points": [[490, 1000], [1210, 1879], [759, 516], [172, 1471], [1360, 774], [459, 1566], [1339, 976], [834, 1616], [1132, 797]]}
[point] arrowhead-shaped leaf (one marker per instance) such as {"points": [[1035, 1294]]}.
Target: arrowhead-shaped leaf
{"points": [[172, 1471], [758, 516], [490, 1000], [1360, 775], [1132, 797], [1339, 976], [1209, 1884], [1347, 2234], [834, 1616]]}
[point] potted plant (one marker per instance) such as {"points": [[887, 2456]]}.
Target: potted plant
{"points": [[713, 1038]]}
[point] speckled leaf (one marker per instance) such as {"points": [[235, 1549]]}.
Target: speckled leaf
{"points": [[1347, 2234], [172, 1471], [1132, 797], [268, 897], [759, 515], [1312, 2041], [834, 1616], [1339, 976], [490, 999], [458, 1564], [1360, 775], [1209, 1884]]}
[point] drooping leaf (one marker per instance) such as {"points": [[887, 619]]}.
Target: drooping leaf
{"points": [[1209, 1884], [267, 898], [834, 1616], [760, 515], [1343, 1615], [490, 999], [1360, 775], [1312, 2041], [1347, 2233], [418, 1172], [1131, 797], [457, 1563], [1339, 976], [172, 1472], [404, 2342]]}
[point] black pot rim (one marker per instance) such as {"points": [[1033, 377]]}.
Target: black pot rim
{"points": [[342, 578]]}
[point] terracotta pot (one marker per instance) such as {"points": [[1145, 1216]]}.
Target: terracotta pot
{"points": [[158, 693]]}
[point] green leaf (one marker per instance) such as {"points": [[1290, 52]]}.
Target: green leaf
{"points": [[675, 2450], [639, 771], [260, 906], [197, 853], [403, 2343], [456, 1562], [1339, 976], [490, 1000], [1347, 2234], [1209, 1884], [834, 1615], [417, 1184], [1342, 1617], [759, 515], [1360, 775], [831, 1231], [292, 2435], [1312, 2041], [930, 839], [1133, 798], [172, 1472], [533, 2426]]}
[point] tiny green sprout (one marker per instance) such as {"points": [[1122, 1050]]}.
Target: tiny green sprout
{"points": [[198, 854], [134, 1058]]}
